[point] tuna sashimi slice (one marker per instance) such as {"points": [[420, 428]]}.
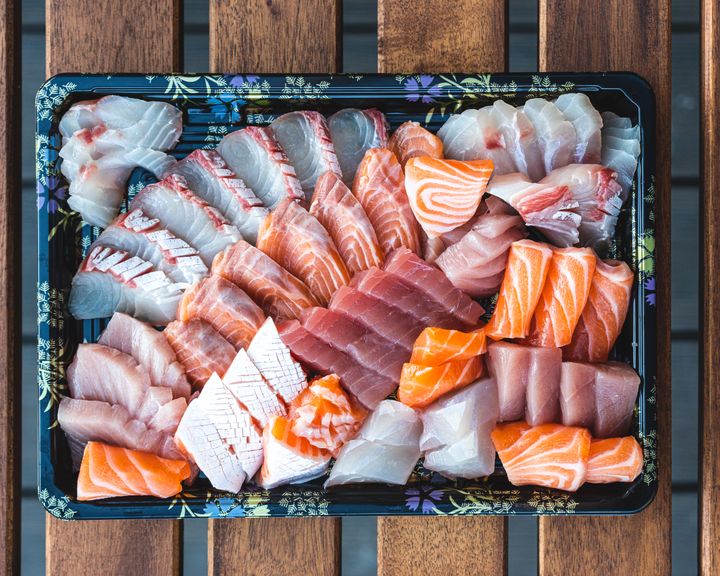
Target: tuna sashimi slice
{"points": [[586, 120], [614, 460], [410, 140], [437, 345], [616, 388], [555, 133], [577, 394], [422, 385], [354, 132]]}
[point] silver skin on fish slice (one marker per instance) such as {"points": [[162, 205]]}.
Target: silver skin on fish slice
{"points": [[353, 132]]}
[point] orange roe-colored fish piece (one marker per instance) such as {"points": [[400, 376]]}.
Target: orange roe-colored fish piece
{"points": [[435, 346], [422, 385], [411, 140], [614, 460]]}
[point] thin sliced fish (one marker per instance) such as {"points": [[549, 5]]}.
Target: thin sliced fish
{"points": [[614, 460], [435, 346], [422, 385], [410, 140], [519, 139], [620, 149], [579, 110], [555, 133], [354, 132]]}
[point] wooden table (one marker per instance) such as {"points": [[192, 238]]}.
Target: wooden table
{"points": [[414, 35]]}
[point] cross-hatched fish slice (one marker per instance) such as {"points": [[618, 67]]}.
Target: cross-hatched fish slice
{"points": [[410, 140], [614, 460], [354, 132]]}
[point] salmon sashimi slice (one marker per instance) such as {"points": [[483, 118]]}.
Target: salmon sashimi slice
{"points": [[435, 346], [522, 285], [614, 460], [604, 314], [288, 458], [345, 220], [297, 241], [411, 140], [563, 297], [108, 471], [280, 294], [224, 306], [422, 385], [548, 455], [353, 133], [200, 348], [445, 194], [379, 186]]}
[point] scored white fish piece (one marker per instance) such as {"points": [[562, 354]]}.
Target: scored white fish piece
{"points": [[353, 132]]}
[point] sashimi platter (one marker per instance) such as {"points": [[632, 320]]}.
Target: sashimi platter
{"points": [[265, 295]]}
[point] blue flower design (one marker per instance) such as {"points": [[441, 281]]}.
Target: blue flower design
{"points": [[421, 88], [226, 107], [423, 498], [49, 196], [650, 291], [239, 80]]}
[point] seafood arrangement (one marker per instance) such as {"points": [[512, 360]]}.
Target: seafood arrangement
{"points": [[324, 298]]}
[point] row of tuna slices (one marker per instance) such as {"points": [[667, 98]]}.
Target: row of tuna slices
{"points": [[139, 400]]}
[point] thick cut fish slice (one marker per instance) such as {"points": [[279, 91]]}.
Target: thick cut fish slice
{"points": [[354, 132], [200, 348], [411, 140], [522, 285], [187, 215], [345, 220], [614, 460], [379, 186], [385, 449], [225, 307], [577, 394], [422, 385], [257, 158], [563, 297], [111, 280], [150, 349], [549, 455], [586, 120], [604, 314], [437, 345], [288, 458], [555, 133], [445, 194], [519, 139], [298, 242], [620, 149], [209, 177], [280, 294], [305, 138], [108, 472], [616, 389]]}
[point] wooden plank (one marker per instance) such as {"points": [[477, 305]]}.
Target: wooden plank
{"points": [[620, 35], [128, 36], [270, 36], [434, 36]]}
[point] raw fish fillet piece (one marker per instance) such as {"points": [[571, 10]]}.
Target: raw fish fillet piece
{"points": [[522, 285], [456, 431], [434, 285], [528, 380], [445, 194], [411, 140], [476, 135], [257, 158], [586, 120], [279, 293], [325, 415], [253, 392], [343, 217], [422, 385], [385, 449], [545, 206], [620, 149], [563, 297], [577, 394], [155, 397], [555, 133], [368, 387], [298, 242], [209, 177], [476, 263], [616, 389], [548, 455], [200, 348], [145, 237], [220, 437], [168, 416], [150, 349], [109, 472], [604, 314], [362, 344], [396, 325], [225, 307], [614, 460], [354, 132], [187, 216], [519, 139], [272, 357], [379, 186], [435, 346], [305, 138], [289, 459]]}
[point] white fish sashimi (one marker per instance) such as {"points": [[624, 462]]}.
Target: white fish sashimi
{"points": [[354, 132], [520, 139], [155, 398], [187, 215], [586, 120], [255, 156], [168, 416], [555, 133], [620, 149], [210, 178], [110, 281]]}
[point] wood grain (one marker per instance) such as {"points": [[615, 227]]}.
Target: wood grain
{"points": [[434, 36], [127, 36], [281, 36], [631, 36]]}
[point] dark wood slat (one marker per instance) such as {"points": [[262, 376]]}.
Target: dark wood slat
{"points": [[127, 36], [433, 36], [620, 35]]}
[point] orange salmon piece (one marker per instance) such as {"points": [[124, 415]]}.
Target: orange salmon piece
{"points": [[435, 346], [614, 460], [422, 385], [411, 140]]}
